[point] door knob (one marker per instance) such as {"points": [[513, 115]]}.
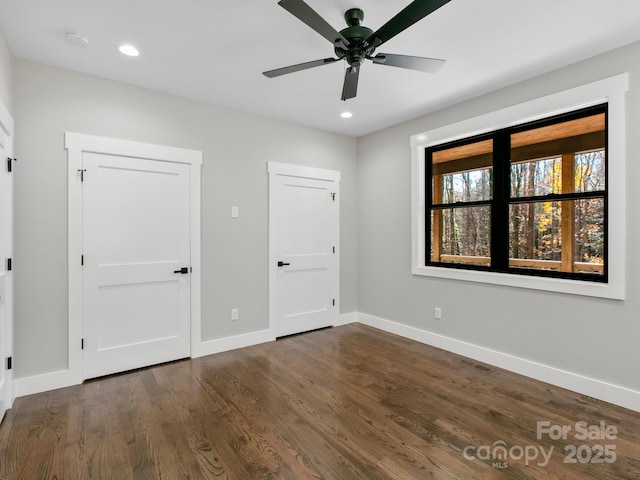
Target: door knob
{"points": [[183, 270], [282, 264]]}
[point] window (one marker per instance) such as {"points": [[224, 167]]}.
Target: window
{"points": [[513, 120], [461, 177], [529, 199]]}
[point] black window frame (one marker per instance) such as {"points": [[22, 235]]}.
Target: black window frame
{"points": [[501, 199]]}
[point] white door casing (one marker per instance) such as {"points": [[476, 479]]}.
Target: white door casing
{"points": [[124, 278], [6, 249], [303, 248], [136, 241]]}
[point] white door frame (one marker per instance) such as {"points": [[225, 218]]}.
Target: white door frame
{"points": [[275, 169], [76, 144], [6, 140]]}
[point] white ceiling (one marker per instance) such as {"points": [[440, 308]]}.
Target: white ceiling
{"points": [[215, 50]]}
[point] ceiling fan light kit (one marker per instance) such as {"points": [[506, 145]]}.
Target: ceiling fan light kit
{"points": [[358, 43]]}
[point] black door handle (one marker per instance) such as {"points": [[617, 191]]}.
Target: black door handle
{"points": [[183, 270], [282, 264]]}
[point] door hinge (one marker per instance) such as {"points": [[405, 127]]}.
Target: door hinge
{"points": [[333, 197], [334, 249], [82, 260], [82, 170], [10, 164], [82, 344], [334, 302], [9, 264], [9, 363]]}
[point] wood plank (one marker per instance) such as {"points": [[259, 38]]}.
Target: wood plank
{"points": [[465, 151], [558, 147], [455, 163], [475, 162], [579, 128], [344, 403], [525, 263], [571, 128]]}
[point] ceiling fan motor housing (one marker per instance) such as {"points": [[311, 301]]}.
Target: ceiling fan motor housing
{"points": [[357, 43], [353, 16], [356, 34]]}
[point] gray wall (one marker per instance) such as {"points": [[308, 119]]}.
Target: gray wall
{"points": [[6, 73], [236, 146], [594, 337]]}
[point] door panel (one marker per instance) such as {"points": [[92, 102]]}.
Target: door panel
{"points": [[306, 238], [298, 284], [142, 204], [131, 314], [136, 223], [303, 216]]}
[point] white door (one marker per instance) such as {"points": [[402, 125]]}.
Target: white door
{"points": [[4, 228], [304, 220], [6, 232], [136, 245]]}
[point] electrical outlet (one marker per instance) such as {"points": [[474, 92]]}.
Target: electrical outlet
{"points": [[437, 313], [234, 314]]}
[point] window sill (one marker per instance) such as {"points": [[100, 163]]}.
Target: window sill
{"points": [[559, 285]]}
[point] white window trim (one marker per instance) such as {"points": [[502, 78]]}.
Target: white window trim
{"points": [[611, 90]]}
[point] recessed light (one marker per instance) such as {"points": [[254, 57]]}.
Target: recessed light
{"points": [[129, 50], [346, 114]]}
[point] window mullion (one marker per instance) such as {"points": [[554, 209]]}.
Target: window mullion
{"points": [[500, 204]]}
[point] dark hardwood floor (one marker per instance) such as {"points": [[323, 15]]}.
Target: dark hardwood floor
{"points": [[343, 403]]}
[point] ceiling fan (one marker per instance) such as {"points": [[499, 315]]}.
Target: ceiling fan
{"points": [[357, 43]]}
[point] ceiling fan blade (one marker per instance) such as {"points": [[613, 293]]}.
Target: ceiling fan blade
{"points": [[299, 9], [300, 66], [350, 87], [423, 64], [412, 13]]}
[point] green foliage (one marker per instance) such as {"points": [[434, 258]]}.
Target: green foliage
{"points": [[544, 241], [535, 227]]}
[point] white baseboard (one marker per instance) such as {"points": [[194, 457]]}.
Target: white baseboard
{"points": [[66, 378], [219, 345], [44, 382], [346, 319], [253, 338], [608, 392]]}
